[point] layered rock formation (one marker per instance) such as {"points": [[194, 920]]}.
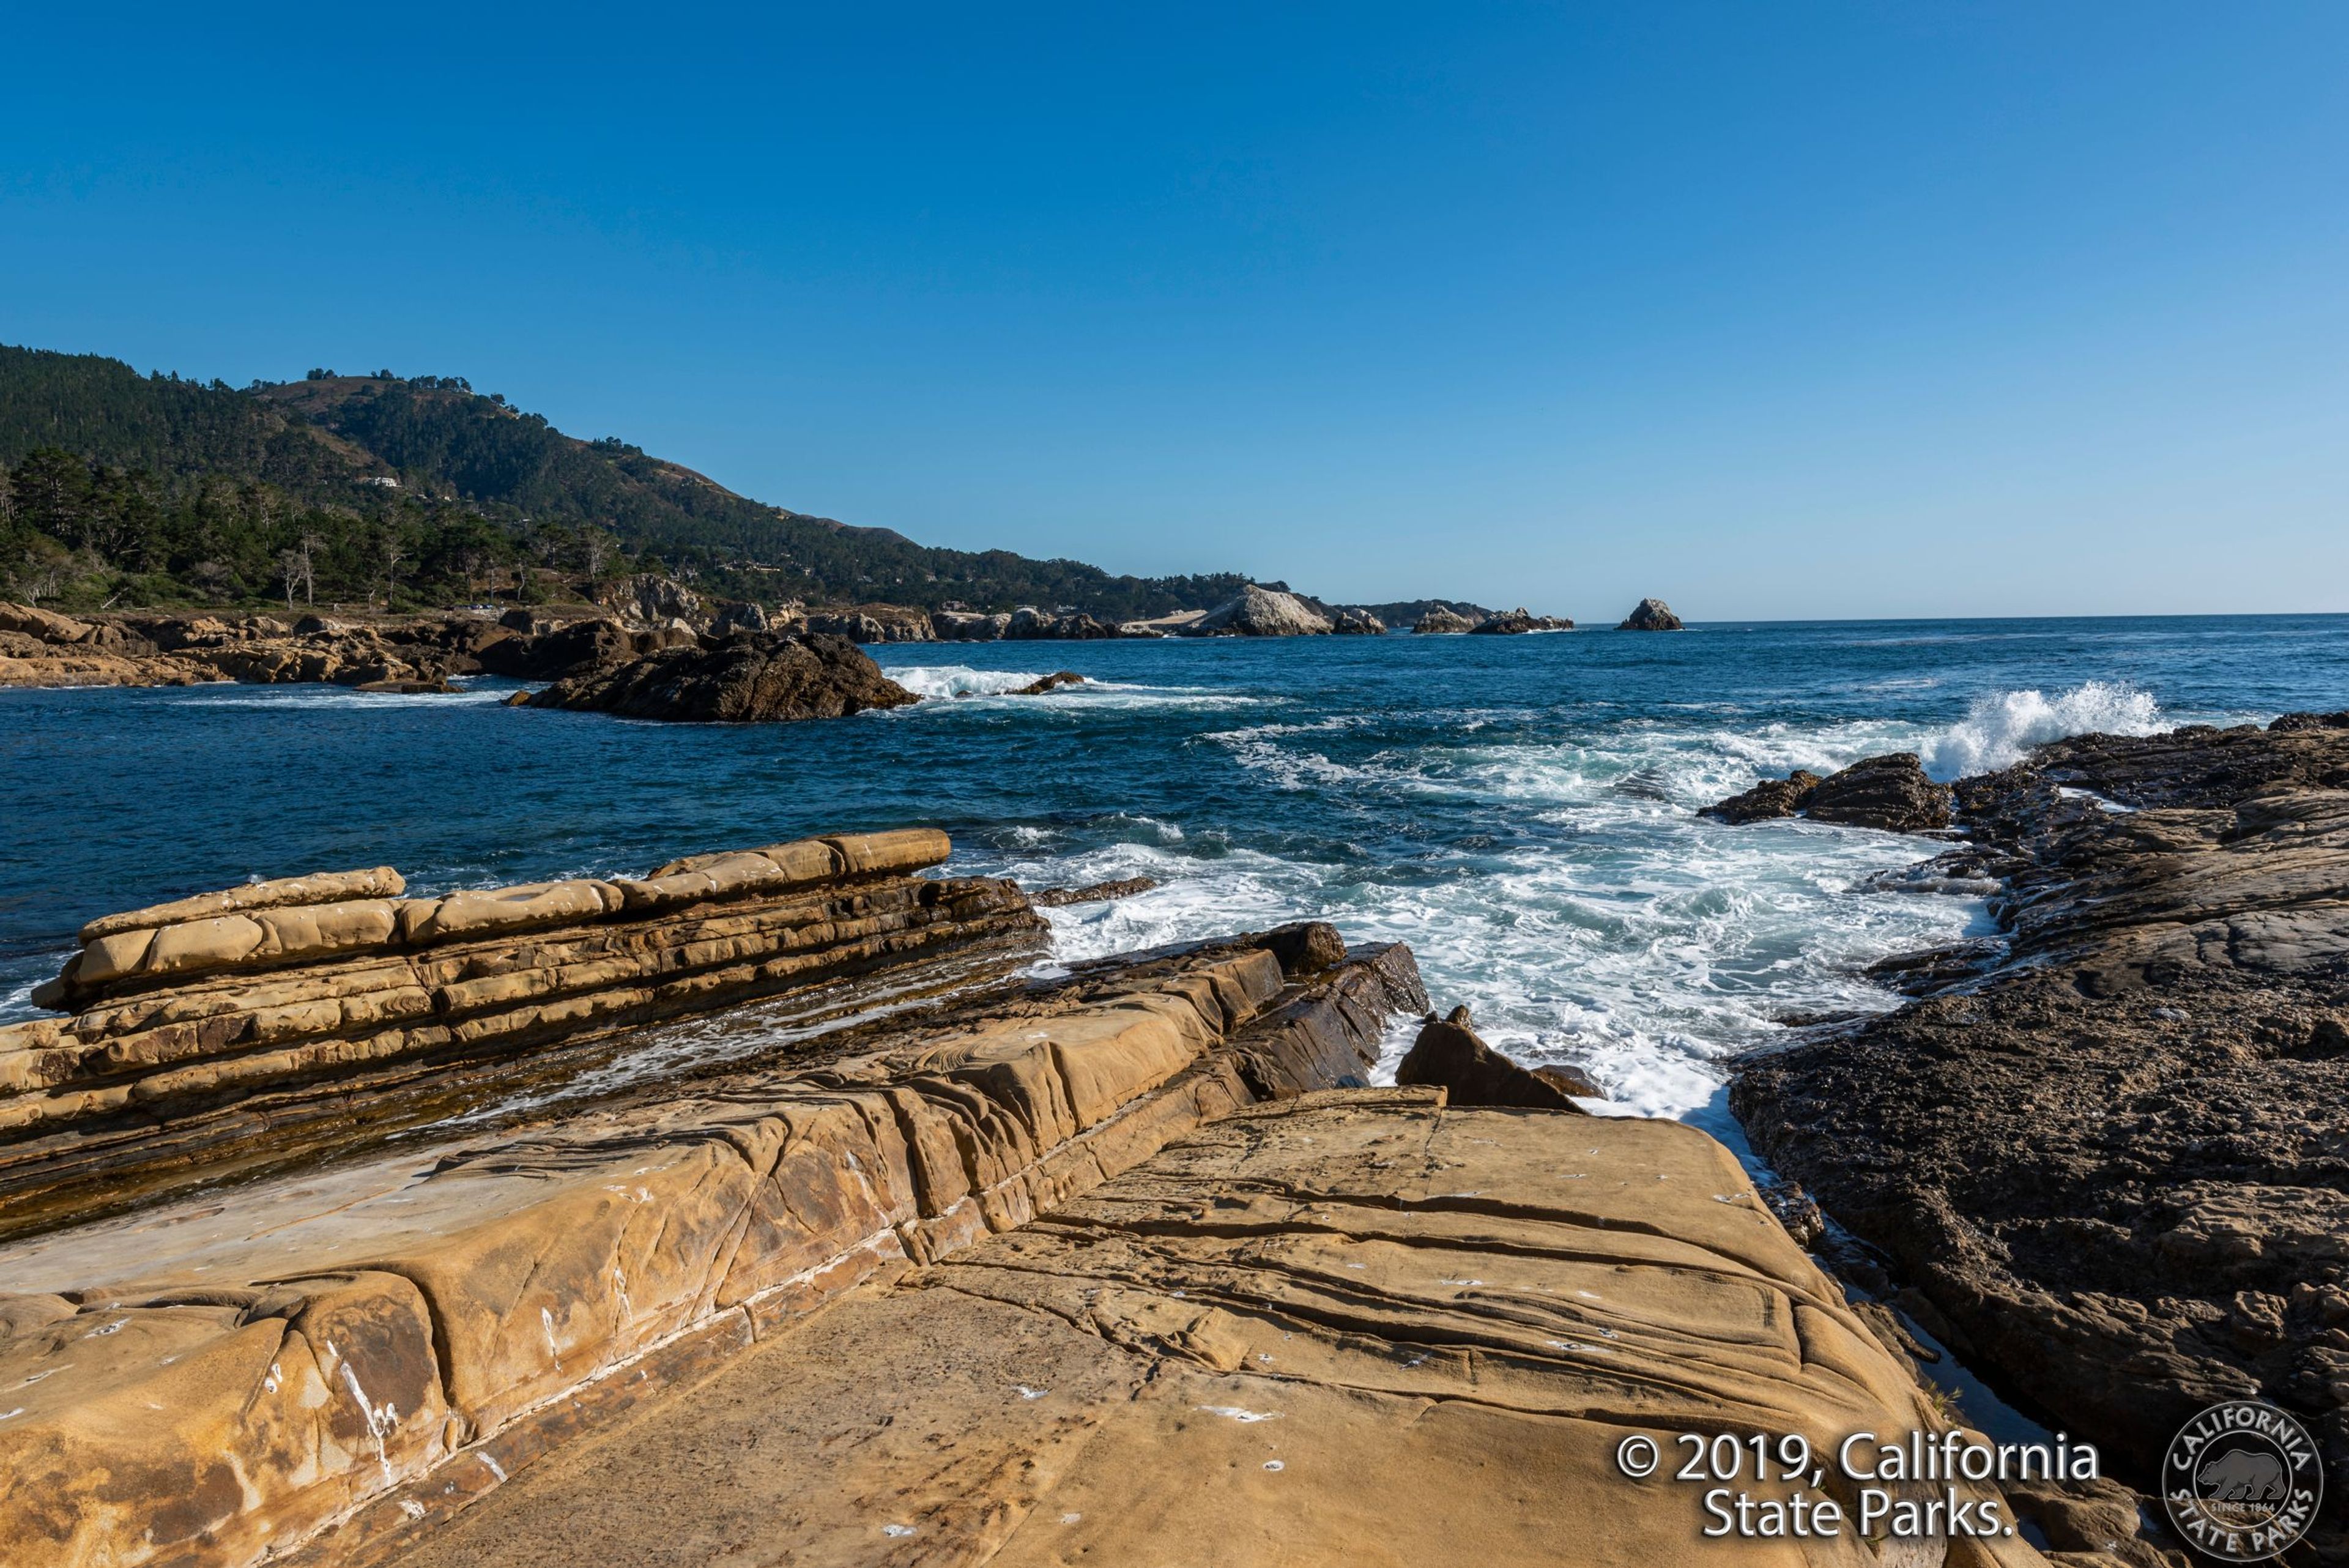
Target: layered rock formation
{"points": [[209, 1382], [2111, 1174], [270, 1022], [1262, 612], [1892, 793], [1652, 615], [749, 678], [1344, 1328]]}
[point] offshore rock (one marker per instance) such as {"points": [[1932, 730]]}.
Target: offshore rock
{"points": [[1769, 799], [1262, 612], [1354, 621], [1052, 682], [750, 678], [2160, 1064], [1518, 621], [1442, 622], [1891, 793], [1652, 615]]}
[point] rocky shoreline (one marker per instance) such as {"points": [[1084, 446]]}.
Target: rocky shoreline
{"points": [[2106, 1160], [348, 1226]]}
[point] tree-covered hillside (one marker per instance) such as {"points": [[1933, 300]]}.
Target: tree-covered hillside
{"points": [[127, 489]]}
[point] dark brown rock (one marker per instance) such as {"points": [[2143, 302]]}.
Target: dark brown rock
{"points": [[2116, 1164], [751, 677], [1309, 947], [1891, 793], [1652, 615], [1770, 798], [1518, 621], [1450, 1056], [1052, 682]]}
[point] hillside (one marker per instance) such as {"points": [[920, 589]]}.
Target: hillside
{"points": [[132, 489]]}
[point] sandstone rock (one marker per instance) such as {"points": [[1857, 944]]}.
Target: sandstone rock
{"points": [[750, 678], [736, 615], [1443, 621], [1262, 612], [1770, 798], [1652, 615], [469, 1300], [1450, 1056], [965, 625], [1091, 893], [649, 597], [45, 625], [1342, 1329], [318, 888]]}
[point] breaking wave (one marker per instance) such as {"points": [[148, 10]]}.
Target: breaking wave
{"points": [[2002, 727]]}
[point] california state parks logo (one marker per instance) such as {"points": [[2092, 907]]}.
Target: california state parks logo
{"points": [[2241, 1482]]}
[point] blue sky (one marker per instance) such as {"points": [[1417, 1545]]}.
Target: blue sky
{"points": [[1781, 310]]}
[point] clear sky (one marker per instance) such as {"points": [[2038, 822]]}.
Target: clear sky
{"points": [[1771, 309]]}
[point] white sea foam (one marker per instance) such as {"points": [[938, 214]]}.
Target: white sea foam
{"points": [[2000, 728], [948, 680], [959, 685]]}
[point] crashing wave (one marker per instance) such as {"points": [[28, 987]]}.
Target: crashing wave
{"points": [[2001, 727]]}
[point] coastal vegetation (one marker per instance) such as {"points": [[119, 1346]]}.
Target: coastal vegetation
{"points": [[118, 490]]}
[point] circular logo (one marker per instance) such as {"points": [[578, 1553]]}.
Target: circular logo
{"points": [[2241, 1482]]}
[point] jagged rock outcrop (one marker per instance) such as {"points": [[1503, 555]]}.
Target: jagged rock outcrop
{"points": [[651, 598], [871, 624], [1052, 682], [1449, 1055], [1029, 625], [1352, 620], [1345, 1328], [2159, 1063], [409, 652], [737, 615], [968, 625], [1892, 793], [1440, 621], [213, 1380], [1262, 612], [1765, 802], [1652, 615], [747, 679], [269, 1018], [1518, 621]]}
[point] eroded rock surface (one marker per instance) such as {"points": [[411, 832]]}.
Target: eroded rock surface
{"points": [[1449, 1055], [212, 1381], [1518, 621], [1262, 612], [750, 678], [2115, 1173], [1343, 1329]]}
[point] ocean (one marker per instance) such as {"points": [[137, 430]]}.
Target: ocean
{"points": [[1521, 810]]}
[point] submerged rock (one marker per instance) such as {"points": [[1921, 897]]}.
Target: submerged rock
{"points": [[1091, 893], [1262, 612], [1052, 682], [1652, 615], [751, 677]]}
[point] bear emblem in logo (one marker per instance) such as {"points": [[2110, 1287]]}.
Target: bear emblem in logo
{"points": [[2241, 1482]]}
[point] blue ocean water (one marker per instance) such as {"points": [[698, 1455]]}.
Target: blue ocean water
{"points": [[1519, 809]]}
